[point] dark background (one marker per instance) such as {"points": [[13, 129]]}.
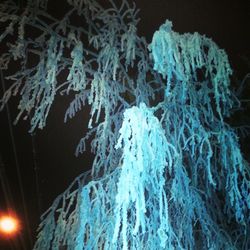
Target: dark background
{"points": [[46, 160]]}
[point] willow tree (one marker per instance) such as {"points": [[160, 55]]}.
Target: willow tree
{"points": [[168, 172]]}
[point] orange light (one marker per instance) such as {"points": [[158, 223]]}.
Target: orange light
{"points": [[9, 225]]}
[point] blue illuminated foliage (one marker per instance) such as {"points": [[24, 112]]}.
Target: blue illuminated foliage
{"points": [[168, 171]]}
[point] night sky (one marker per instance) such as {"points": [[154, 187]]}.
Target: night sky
{"points": [[51, 167]]}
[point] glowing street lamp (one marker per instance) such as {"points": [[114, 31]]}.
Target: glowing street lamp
{"points": [[9, 225]]}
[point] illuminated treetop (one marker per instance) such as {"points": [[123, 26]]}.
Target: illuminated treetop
{"points": [[168, 172]]}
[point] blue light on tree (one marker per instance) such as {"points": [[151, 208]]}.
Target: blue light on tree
{"points": [[168, 172]]}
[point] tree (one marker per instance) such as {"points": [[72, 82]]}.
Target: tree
{"points": [[168, 172]]}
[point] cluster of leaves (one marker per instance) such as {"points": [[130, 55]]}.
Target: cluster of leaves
{"points": [[168, 172]]}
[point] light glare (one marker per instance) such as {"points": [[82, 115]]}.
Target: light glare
{"points": [[8, 225]]}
